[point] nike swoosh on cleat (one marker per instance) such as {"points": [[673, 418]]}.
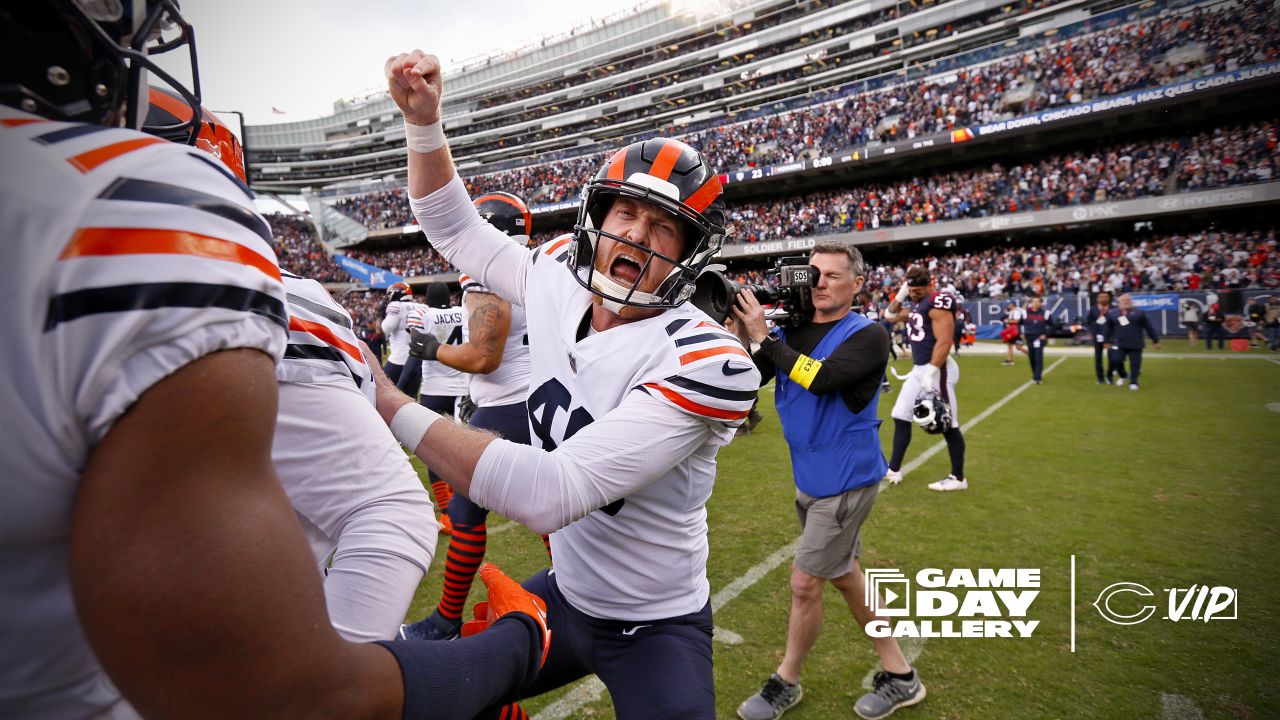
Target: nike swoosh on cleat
{"points": [[728, 369]]}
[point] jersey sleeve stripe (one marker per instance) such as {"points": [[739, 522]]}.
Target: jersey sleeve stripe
{"points": [[698, 408], [675, 325], [712, 390], [69, 133], [704, 337], [697, 355], [322, 332], [557, 245], [87, 161], [153, 296], [19, 122], [91, 242], [137, 190], [319, 352], [329, 314]]}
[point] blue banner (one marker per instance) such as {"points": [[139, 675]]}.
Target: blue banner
{"points": [[1168, 301], [374, 277]]}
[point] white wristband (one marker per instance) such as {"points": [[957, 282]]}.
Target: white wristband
{"points": [[424, 138], [410, 424]]}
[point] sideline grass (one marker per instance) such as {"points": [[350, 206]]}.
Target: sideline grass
{"points": [[1170, 486]]}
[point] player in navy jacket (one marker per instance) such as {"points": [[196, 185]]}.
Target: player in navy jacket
{"points": [[1125, 326], [1035, 329]]}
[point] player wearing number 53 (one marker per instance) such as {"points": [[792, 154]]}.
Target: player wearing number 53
{"points": [[928, 396], [632, 391]]}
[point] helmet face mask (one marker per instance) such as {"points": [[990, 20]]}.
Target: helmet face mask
{"points": [[931, 413], [675, 179], [89, 60]]}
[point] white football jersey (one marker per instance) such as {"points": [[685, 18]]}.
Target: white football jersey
{"points": [[437, 378], [509, 383], [395, 326], [643, 556], [355, 493], [322, 344], [131, 257]]}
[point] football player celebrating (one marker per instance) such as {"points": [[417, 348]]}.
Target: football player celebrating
{"points": [[150, 564], [632, 393], [496, 354], [928, 394], [395, 325]]}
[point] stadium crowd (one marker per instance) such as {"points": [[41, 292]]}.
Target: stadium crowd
{"points": [[1211, 259], [299, 253], [1145, 53]]}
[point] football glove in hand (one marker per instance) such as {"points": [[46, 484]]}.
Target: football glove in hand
{"points": [[423, 345], [930, 377], [507, 596]]}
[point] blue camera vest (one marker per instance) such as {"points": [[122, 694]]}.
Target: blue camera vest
{"points": [[833, 450]]}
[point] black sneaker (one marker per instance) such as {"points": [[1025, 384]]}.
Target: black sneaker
{"points": [[776, 696], [889, 695], [434, 627]]}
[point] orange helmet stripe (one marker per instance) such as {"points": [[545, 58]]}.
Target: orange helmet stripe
{"points": [[617, 165], [702, 198], [666, 160]]}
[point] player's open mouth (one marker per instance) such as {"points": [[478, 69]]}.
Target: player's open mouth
{"points": [[625, 270]]}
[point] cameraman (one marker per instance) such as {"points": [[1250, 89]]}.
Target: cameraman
{"points": [[828, 373]]}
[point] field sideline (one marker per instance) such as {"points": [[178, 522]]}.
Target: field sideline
{"points": [[1167, 487]]}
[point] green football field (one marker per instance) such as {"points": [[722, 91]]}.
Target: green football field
{"points": [[1169, 487]]}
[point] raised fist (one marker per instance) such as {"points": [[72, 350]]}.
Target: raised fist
{"points": [[414, 82]]}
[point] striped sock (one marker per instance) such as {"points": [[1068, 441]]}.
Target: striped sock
{"points": [[546, 542], [466, 552], [512, 712], [443, 493]]}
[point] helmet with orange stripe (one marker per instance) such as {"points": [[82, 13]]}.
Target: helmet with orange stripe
{"points": [[90, 60], [508, 213], [396, 291], [169, 116], [660, 182]]}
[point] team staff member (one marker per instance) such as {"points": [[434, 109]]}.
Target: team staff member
{"points": [[828, 375], [1035, 330], [1125, 325], [1096, 322], [930, 325]]}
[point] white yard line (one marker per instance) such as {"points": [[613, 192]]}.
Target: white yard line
{"points": [[589, 690]]}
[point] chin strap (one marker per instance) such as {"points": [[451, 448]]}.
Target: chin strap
{"points": [[609, 289]]}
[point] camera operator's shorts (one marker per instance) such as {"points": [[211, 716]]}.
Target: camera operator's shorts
{"points": [[831, 540], [913, 386]]}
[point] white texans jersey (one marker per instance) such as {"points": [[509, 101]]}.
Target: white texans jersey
{"points": [[396, 327], [323, 347], [130, 257], [642, 556], [437, 378], [509, 383]]}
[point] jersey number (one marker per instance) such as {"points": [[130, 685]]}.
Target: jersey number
{"points": [[544, 404], [455, 337], [915, 327]]}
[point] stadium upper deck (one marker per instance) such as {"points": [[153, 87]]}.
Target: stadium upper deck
{"points": [[653, 70]]}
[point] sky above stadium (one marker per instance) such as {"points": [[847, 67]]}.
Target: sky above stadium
{"points": [[301, 55]]}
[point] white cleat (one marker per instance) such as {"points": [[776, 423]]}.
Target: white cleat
{"points": [[1119, 382], [893, 476], [1133, 386], [949, 484]]}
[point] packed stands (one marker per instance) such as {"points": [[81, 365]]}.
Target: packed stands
{"points": [[299, 252]]}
